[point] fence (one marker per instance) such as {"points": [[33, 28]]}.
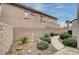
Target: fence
{"points": [[34, 33], [6, 38]]}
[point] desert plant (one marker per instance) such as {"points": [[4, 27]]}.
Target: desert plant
{"points": [[51, 34], [68, 23], [46, 35], [24, 40], [56, 34], [42, 45], [47, 39], [64, 35], [70, 42]]}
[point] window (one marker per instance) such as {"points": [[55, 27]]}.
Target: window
{"points": [[42, 19], [50, 21], [49, 27], [0, 9], [32, 13], [26, 15]]}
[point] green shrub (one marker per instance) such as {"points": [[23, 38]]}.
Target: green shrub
{"points": [[51, 34], [70, 42], [46, 39], [42, 38], [24, 40], [64, 35], [56, 34], [42, 45], [46, 35]]}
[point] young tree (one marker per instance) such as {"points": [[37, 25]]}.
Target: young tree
{"points": [[68, 22]]}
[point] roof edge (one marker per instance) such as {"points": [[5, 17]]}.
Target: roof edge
{"points": [[74, 20], [29, 8]]}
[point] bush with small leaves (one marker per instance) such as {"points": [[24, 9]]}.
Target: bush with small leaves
{"points": [[46, 39], [56, 34], [64, 35], [46, 35], [51, 34], [70, 42], [24, 40], [42, 45]]}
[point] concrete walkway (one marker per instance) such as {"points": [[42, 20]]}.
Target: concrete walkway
{"points": [[67, 51], [63, 50], [56, 43]]}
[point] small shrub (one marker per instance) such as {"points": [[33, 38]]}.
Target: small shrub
{"points": [[51, 34], [42, 38], [46, 39], [64, 35], [42, 45], [24, 40], [56, 34], [70, 42], [46, 35]]}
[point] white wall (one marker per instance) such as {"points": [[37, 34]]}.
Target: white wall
{"points": [[75, 30]]}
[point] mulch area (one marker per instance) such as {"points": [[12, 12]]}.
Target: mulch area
{"points": [[30, 49]]}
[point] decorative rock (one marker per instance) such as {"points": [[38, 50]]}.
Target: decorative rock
{"points": [[32, 37], [29, 51], [32, 40], [32, 34], [19, 48], [39, 53]]}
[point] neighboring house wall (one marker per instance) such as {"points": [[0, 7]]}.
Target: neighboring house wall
{"points": [[75, 30], [15, 16], [25, 20], [6, 37]]}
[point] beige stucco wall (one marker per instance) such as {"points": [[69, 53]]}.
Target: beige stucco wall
{"points": [[14, 15], [75, 30], [6, 37]]}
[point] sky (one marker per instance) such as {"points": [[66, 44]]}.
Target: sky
{"points": [[62, 11]]}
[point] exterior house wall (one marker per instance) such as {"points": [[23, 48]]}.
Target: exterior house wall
{"points": [[75, 30], [20, 26], [14, 16]]}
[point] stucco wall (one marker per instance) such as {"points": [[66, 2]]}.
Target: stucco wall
{"points": [[75, 30], [6, 37], [14, 15], [36, 33]]}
